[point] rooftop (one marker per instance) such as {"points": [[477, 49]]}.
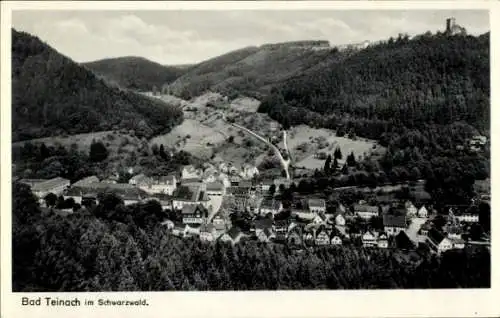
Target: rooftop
{"points": [[270, 204], [215, 186], [316, 203], [365, 208], [435, 236], [49, 184], [394, 220]]}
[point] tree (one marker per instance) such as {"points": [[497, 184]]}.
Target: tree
{"points": [[98, 151], [272, 189], [155, 149], [335, 165], [328, 163], [230, 139], [50, 199], [351, 160], [337, 154]]}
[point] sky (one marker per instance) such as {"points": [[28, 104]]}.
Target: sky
{"points": [[187, 36]]}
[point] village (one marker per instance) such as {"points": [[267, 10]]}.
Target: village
{"points": [[220, 202]]}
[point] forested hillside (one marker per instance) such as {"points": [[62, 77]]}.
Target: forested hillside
{"points": [[118, 248], [431, 79], [422, 98], [135, 73], [52, 95], [250, 71]]}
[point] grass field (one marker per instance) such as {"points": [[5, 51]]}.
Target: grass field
{"points": [[304, 142]]}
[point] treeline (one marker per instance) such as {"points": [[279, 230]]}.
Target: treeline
{"points": [[116, 248], [39, 161], [52, 95]]}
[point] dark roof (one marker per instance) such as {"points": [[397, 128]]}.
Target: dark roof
{"points": [[316, 203], [366, 208], [245, 184], [234, 232], [267, 182], [207, 228], [270, 204], [190, 209], [215, 186], [435, 236], [190, 180], [268, 231], [263, 223], [403, 241], [238, 190], [49, 184], [281, 223], [394, 220]]}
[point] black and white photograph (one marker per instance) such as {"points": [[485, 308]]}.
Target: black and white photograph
{"points": [[250, 150]]}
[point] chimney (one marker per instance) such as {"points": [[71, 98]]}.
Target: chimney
{"points": [[450, 23]]}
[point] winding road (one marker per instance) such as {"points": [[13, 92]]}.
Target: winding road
{"points": [[285, 164]]}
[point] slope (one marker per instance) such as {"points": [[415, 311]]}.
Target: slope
{"points": [[429, 79], [251, 71], [52, 95], [135, 73]]}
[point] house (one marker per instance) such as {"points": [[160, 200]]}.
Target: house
{"points": [[233, 236], [458, 243], [316, 205], [453, 232], [266, 235], [366, 211], [85, 181], [403, 241], [266, 184], [215, 189], [190, 171], [42, 187], [422, 212], [164, 184], [262, 224], [411, 210], [468, 217], [139, 179], [339, 219], [220, 224], [424, 228], [191, 182], [238, 191], [294, 237], [164, 200], [319, 219], [281, 226], [393, 224], [382, 241], [224, 178], [194, 214], [179, 229], [192, 195], [369, 239], [308, 237], [335, 240], [322, 237], [272, 206], [235, 181], [438, 242], [207, 232], [130, 194]]}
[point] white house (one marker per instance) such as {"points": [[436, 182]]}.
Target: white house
{"points": [[340, 219], [248, 171], [207, 232], [382, 241], [336, 240], [393, 224], [411, 210], [163, 184], [190, 172], [468, 218], [422, 212], [369, 239]]}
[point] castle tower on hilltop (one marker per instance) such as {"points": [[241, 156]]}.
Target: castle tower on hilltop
{"points": [[450, 25], [452, 28]]}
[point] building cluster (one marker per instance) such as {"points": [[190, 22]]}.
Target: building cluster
{"points": [[200, 196]]}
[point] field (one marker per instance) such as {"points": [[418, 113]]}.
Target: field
{"points": [[304, 142]]}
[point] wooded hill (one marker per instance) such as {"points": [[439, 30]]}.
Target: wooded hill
{"points": [[250, 71], [430, 79], [135, 73], [53, 95]]}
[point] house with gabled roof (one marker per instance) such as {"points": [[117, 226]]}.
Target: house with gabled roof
{"points": [[423, 212], [438, 242], [393, 224], [233, 235], [294, 237], [322, 237], [207, 232], [411, 210], [86, 181], [194, 214], [42, 187], [215, 189], [369, 239], [190, 171], [382, 240], [266, 235], [403, 241]]}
